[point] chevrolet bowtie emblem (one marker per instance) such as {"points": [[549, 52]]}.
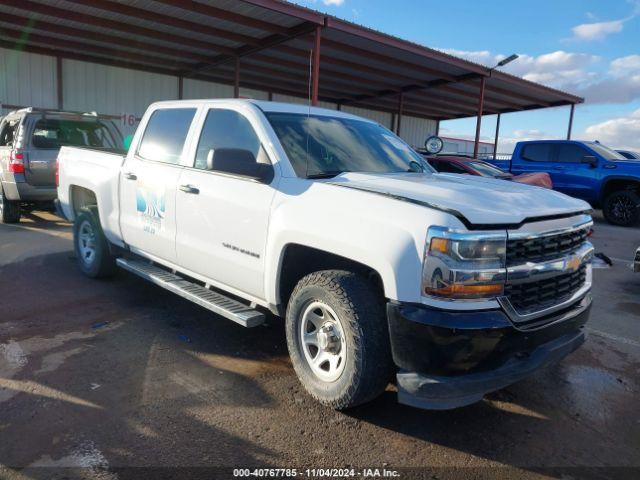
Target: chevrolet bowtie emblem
{"points": [[573, 263]]}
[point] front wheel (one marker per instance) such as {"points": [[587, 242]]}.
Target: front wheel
{"points": [[92, 250], [622, 208], [9, 210], [338, 338]]}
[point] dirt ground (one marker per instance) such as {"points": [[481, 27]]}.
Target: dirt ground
{"points": [[127, 381]]}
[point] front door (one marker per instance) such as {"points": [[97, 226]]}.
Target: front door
{"points": [[223, 219], [148, 183]]}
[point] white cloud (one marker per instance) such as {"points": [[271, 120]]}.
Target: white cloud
{"points": [[619, 132], [588, 32], [597, 31], [578, 73], [555, 69], [625, 65], [333, 2]]}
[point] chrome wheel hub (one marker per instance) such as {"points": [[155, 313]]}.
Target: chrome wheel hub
{"points": [[323, 341]]}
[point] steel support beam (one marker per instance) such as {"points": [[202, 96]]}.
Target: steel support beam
{"points": [[573, 108], [236, 79], [495, 143], [315, 76], [476, 144], [400, 110], [60, 86]]}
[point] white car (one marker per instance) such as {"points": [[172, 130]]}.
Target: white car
{"points": [[380, 266]]}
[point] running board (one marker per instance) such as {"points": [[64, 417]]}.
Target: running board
{"points": [[217, 303]]}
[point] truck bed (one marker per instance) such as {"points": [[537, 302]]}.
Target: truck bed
{"points": [[96, 170]]}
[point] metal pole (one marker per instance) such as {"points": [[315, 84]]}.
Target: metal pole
{"points": [[495, 143], [270, 97], [479, 119], [236, 80], [180, 88], [315, 76], [573, 107], [400, 108], [437, 128], [59, 81]]}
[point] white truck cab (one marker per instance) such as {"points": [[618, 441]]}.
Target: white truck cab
{"points": [[458, 285]]}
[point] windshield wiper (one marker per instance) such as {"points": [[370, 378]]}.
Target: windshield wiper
{"points": [[329, 174]]}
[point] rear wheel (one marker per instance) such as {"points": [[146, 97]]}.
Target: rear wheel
{"points": [[91, 246], [338, 338], [622, 208], [9, 209]]}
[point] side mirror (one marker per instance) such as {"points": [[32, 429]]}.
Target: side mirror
{"points": [[590, 160], [236, 161]]}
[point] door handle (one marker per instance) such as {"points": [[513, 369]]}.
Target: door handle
{"points": [[558, 168], [130, 176], [189, 189]]}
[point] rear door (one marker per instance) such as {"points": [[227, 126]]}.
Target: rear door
{"points": [[148, 183], [534, 157], [571, 175]]}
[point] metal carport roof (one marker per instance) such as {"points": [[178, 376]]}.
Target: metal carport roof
{"points": [[270, 45]]}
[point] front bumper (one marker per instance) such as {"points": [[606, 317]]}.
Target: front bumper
{"points": [[451, 359]]}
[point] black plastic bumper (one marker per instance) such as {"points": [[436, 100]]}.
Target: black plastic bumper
{"points": [[451, 359]]}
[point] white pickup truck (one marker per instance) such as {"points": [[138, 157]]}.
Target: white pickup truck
{"points": [[458, 285]]}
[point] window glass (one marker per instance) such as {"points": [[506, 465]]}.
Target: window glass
{"points": [[537, 152], [165, 134], [54, 133], [448, 167], [570, 153], [225, 129], [606, 152], [8, 133], [486, 169], [322, 145]]}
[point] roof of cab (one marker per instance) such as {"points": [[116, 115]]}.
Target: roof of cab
{"points": [[263, 105]]}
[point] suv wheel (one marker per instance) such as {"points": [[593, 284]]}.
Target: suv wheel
{"points": [[91, 246], [622, 208], [9, 210], [338, 338]]}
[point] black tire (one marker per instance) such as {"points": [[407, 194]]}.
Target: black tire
{"points": [[360, 308], [99, 263], [9, 209], [622, 208]]}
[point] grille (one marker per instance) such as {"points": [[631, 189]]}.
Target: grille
{"points": [[535, 296], [540, 249]]}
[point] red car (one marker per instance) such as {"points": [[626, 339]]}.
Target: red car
{"points": [[473, 166]]}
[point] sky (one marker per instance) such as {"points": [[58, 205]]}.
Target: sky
{"points": [[590, 48]]}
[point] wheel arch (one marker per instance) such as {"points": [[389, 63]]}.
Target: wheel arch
{"points": [[297, 261], [619, 182]]}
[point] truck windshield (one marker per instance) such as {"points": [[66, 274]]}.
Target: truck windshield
{"points": [[323, 146], [55, 133], [606, 152]]}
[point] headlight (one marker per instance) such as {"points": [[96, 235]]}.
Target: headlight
{"points": [[464, 265]]}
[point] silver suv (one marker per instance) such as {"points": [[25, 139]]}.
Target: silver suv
{"points": [[29, 143]]}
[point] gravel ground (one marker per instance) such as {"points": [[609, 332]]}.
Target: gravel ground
{"points": [[123, 380]]}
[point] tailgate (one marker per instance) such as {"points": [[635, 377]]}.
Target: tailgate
{"points": [[40, 166]]}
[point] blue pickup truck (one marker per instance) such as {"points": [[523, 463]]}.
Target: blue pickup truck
{"points": [[586, 170]]}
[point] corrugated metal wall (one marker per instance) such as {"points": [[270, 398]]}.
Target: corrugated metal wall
{"points": [[29, 79], [415, 131]]}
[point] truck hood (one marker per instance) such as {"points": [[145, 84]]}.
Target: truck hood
{"points": [[474, 200]]}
